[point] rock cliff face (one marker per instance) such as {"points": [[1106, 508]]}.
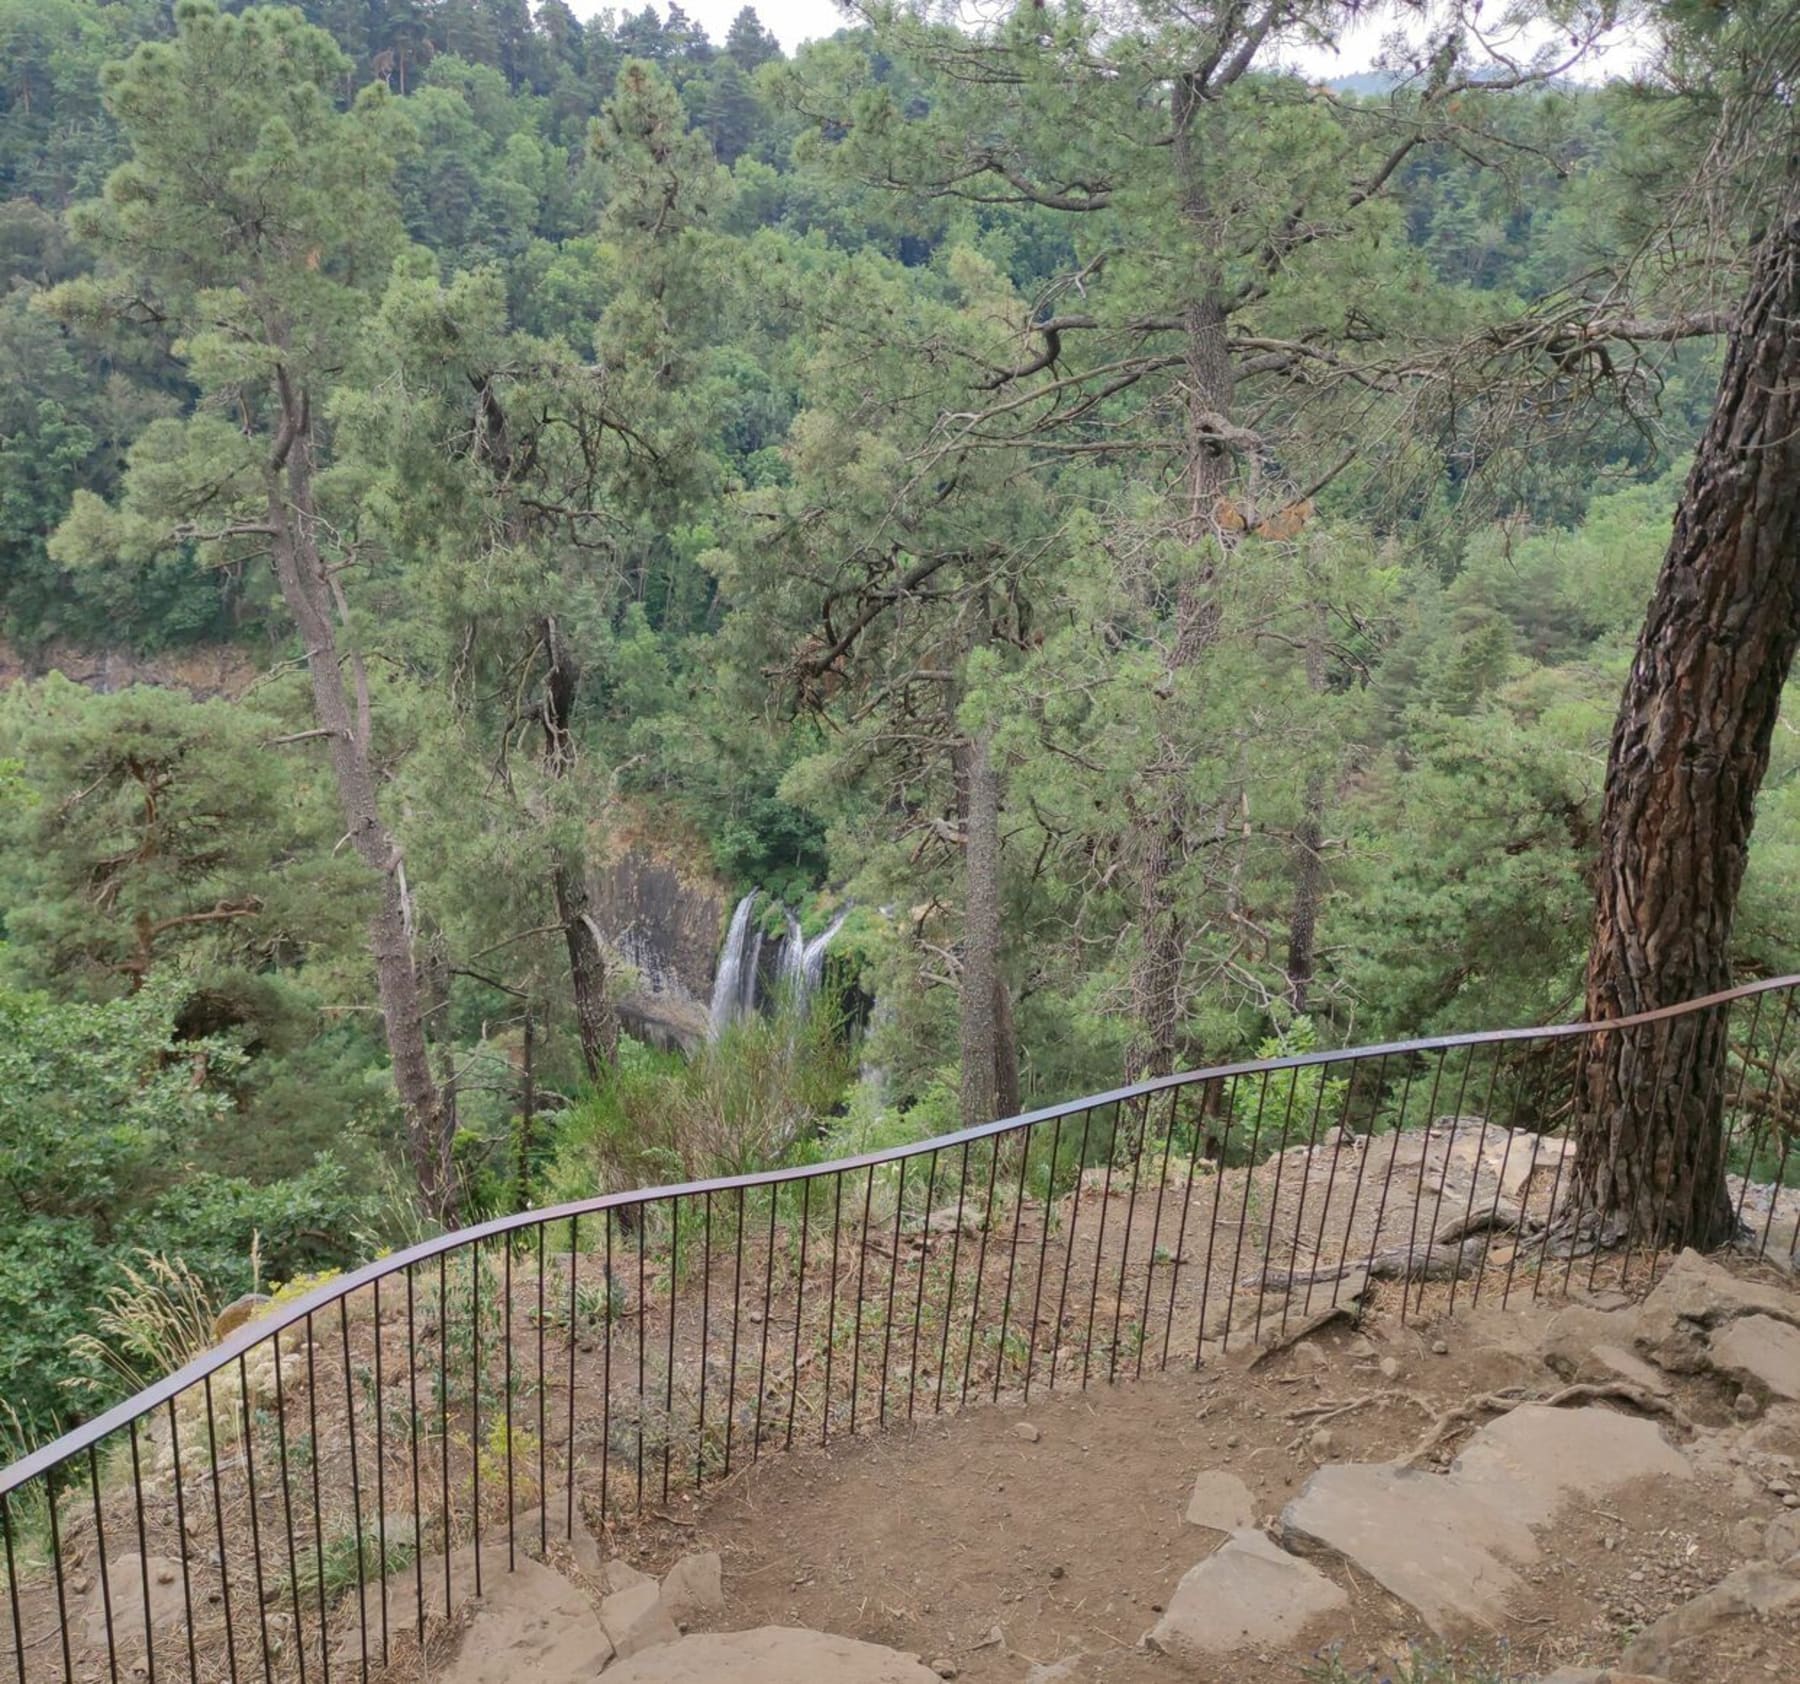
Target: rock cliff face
{"points": [[205, 671], [666, 922]]}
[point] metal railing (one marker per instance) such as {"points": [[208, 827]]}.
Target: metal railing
{"points": [[317, 1491]]}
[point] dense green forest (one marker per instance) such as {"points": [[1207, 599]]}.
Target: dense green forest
{"points": [[1155, 553]]}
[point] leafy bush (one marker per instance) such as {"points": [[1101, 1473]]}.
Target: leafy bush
{"points": [[752, 1099]]}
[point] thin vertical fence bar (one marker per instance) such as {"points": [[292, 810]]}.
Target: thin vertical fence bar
{"points": [[1112, 1151], [1757, 1128], [1733, 1109], [212, 1456], [143, 1536], [1162, 1183], [737, 1316], [381, 1558], [506, 1399], [1228, 1110], [1437, 1206], [1237, 1255], [831, 1282], [912, 1371], [356, 1520], [574, 1345], [768, 1307], [1512, 1131], [187, 1587], [669, 1360], [1306, 1169], [1412, 1238], [987, 1223], [1364, 1147], [1142, 1134], [543, 1491], [705, 1335], [962, 1188], [799, 1305], [262, 1595], [1565, 1152], [62, 1600], [1487, 1110], [1037, 1291], [443, 1345], [1012, 1259], [1268, 1245], [641, 1215], [887, 1326], [318, 1523], [418, 1495], [1780, 1176], [1062, 1293], [1341, 1133], [862, 1270], [1387, 1179], [609, 1314], [474, 1406], [12, 1586], [106, 1608]]}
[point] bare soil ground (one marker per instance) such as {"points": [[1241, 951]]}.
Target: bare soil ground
{"points": [[974, 1544]]}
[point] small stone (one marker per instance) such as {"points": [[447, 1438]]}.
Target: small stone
{"points": [[1057, 1572], [944, 1669], [1790, 1501], [1220, 1502], [1307, 1355], [1231, 1441], [1391, 1369], [1027, 1431], [165, 1575], [1440, 1347], [1362, 1348], [1323, 1442], [1781, 1488], [692, 1587], [1745, 1406]]}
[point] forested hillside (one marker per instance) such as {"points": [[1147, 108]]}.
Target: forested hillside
{"points": [[1159, 549]]}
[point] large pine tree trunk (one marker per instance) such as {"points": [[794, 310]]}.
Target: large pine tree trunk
{"points": [[982, 1043], [1164, 818], [1688, 754], [306, 589]]}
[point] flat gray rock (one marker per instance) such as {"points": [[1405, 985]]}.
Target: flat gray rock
{"points": [[1761, 1349], [1759, 1591], [529, 1626], [1532, 1460], [1447, 1544], [635, 1619], [1220, 1501], [693, 1587], [770, 1655], [1444, 1550], [1246, 1594]]}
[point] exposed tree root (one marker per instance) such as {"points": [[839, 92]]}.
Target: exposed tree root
{"points": [[1468, 1412]]}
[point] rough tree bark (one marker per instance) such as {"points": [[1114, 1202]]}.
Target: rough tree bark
{"points": [[1688, 754], [1309, 839], [1165, 818], [307, 589], [596, 1023], [981, 981]]}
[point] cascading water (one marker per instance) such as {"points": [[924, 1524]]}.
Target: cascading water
{"points": [[734, 985], [799, 966]]}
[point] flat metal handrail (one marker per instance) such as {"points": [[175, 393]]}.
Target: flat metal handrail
{"points": [[259, 1331]]}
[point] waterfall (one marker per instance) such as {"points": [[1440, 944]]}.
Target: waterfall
{"points": [[799, 966], [734, 988]]}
